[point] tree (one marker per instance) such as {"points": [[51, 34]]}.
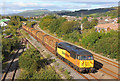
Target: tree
{"points": [[91, 39], [54, 26], [94, 22], [29, 60], [72, 37], [84, 20], [87, 25], [90, 25], [68, 27], [46, 21]]}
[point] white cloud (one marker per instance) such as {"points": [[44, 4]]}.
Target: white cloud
{"points": [[81, 0], [13, 6]]}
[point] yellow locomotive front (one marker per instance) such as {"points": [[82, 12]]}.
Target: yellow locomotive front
{"points": [[86, 63]]}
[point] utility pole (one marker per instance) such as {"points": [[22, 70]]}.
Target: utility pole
{"points": [[81, 23]]}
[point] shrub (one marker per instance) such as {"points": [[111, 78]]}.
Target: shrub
{"points": [[66, 72], [47, 73], [61, 69], [48, 55], [29, 60], [57, 64]]}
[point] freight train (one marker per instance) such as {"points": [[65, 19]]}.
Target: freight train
{"points": [[78, 58]]}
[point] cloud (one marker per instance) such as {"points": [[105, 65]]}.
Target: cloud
{"points": [[80, 0], [13, 6]]}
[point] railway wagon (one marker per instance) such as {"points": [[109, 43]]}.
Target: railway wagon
{"points": [[78, 58]]}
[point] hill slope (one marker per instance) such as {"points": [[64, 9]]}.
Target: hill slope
{"points": [[33, 12], [87, 12]]}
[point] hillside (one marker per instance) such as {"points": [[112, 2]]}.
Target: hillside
{"points": [[87, 12], [84, 12], [33, 12]]}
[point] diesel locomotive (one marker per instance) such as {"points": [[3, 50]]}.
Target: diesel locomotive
{"points": [[78, 58]]}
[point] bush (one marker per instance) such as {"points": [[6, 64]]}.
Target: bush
{"points": [[29, 60], [57, 64], [66, 72], [48, 55], [61, 69], [47, 73], [72, 37], [108, 46], [53, 60]]}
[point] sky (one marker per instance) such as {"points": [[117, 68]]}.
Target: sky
{"points": [[16, 6]]}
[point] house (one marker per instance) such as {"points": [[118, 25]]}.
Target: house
{"points": [[90, 18], [71, 18], [104, 20], [4, 22], [106, 27]]}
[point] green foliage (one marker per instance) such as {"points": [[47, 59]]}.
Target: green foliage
{"points": [[90, 25], [1, 57], [53, 60], [72, 37], [94, 22], [9, 44], [16, 21], [87, 12], [57, 64], [61, 69], [68, 27], [69, 31], [48, 55], [111, 13], [55, 25], [87, 25], [29, 60], [47, 73], [46, 21], [24, 75], [104, 43], [108, 45], [91, 39], [30, 24], [66, 72], [84, 20]]}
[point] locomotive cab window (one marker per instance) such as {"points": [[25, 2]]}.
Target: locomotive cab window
{"points": [[73, 55], [85, 57], [90, 57]]}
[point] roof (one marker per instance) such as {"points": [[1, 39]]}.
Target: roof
{"points": [[4, 20], [113, 26], [73, 49]]}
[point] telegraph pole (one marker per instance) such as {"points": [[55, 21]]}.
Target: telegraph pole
{"points": [[81, 23]]}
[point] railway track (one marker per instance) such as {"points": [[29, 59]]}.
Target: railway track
{"points": [[103, 60], [5, 76], [107, 61], [70, 66], [109, 72]]}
